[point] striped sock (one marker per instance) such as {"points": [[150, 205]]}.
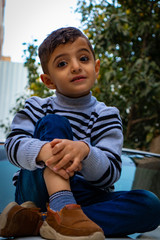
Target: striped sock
{"points": [[58, 200]]}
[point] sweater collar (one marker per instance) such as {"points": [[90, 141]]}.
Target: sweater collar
{"points": [[85, 101]]}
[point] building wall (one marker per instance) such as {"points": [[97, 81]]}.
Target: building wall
{"points": [[2, 4], [13, 79]]}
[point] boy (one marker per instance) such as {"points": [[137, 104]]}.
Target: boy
{"points": [[68, 148]]}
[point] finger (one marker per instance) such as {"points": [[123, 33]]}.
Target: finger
{"points": [[55, 141], [52, 161], [67, 165], [63, 174], [73, 167], [71, 174], [57, 148], [79, 168], [62, 163]]}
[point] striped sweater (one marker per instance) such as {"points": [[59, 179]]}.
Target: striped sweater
{"points": [[91, 121]]}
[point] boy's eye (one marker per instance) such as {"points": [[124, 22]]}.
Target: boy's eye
{"points": [[84, 59], [62, 64]]}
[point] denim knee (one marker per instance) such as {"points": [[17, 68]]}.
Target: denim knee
{"points": [[153, 202], [151, 205], [53, 126]]}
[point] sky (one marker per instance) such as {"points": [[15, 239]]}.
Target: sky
{"points": [[25, 20]]}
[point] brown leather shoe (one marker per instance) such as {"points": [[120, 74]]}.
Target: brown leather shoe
{"points": [[20, 221], [70, 224]]}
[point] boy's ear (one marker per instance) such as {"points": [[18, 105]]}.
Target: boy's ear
{"points": [[97, 67], [47, 81]]}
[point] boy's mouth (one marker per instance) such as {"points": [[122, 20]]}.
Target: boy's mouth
{"points": [[78, 78]]}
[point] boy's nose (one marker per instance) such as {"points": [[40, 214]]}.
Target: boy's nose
{"points": [[75, 67]]}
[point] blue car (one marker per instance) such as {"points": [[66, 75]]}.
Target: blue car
{"points": [[141, 170]]}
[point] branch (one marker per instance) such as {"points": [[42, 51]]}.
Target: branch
{"points": [[143, 119], [139, 120]]}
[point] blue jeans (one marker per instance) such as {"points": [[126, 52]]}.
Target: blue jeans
{"points": [[117, 213]]}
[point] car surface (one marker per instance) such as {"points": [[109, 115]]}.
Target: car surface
{"points": [[141, 170]]}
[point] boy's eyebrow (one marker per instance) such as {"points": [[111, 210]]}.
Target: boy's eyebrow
{"points": [[58, 56], [84, 49], [65, 54]]}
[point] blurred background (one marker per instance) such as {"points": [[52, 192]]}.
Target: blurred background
{"points": [[126, 38]]}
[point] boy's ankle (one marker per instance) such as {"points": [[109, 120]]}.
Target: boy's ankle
{"points": [[59, 200]]}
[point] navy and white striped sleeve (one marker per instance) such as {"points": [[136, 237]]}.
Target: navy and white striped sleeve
{"points": [[22, 149], [102, 167]]}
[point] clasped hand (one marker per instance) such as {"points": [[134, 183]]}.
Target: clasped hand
{"points": [[67, 156]]}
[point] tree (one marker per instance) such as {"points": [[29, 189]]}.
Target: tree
{"points": [[125, 35], [34, 86]]}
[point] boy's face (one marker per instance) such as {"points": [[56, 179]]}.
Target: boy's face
{"points": [[72, 69]]}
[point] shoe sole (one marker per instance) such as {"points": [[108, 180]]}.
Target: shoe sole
{"points": [[4, 215], [28, 204], [49, 233]]}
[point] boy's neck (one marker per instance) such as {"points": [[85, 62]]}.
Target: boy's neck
{"points": [[81, 101]]}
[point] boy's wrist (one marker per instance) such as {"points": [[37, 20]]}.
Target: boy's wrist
{"points": [[86, 149], [43, 153]]}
